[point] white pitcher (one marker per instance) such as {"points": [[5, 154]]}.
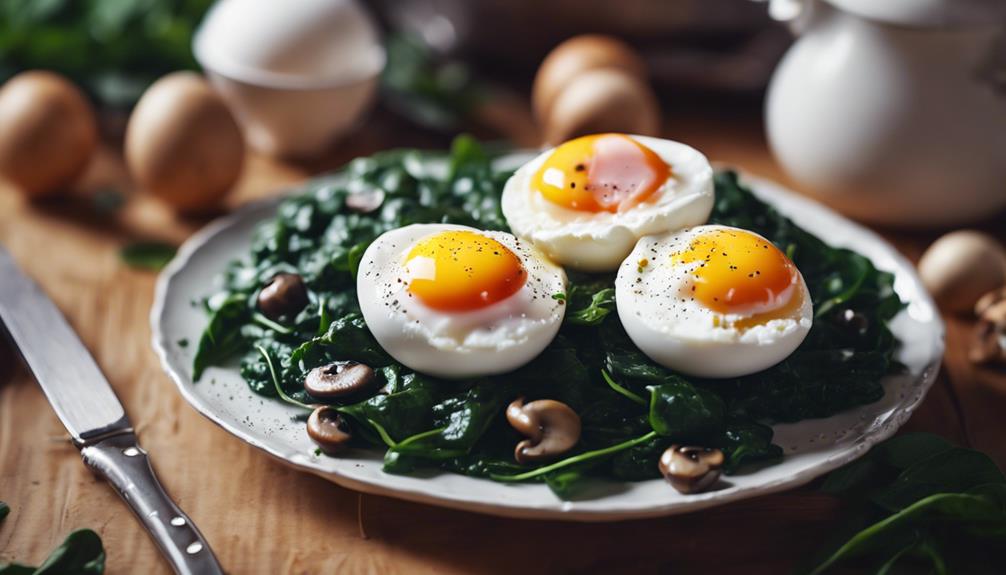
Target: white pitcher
{"points": [[894, 111]]}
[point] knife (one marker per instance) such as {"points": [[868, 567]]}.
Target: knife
{"points": [[97, 422]]}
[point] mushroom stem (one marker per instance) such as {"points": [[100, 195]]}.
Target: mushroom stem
{"points": [[551, 428]]}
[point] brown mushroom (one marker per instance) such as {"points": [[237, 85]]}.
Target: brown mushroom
{"points": [[853, 320], [285, 295], [338, 379], [691, 469], [988, 345], [961, 266], [551, 427], [328, 429], [364, 202]]}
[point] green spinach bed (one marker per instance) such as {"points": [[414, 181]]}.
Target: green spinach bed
{"points": [[631, 408]]}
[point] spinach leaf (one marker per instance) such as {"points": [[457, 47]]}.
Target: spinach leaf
{"points": [[4, 511], [980, 514], [403, 413], [954, 470], [744, 442], [147, 255], [81, 553], [348, 338], [917, 503], [683, 412], [459, 423], [590, 302], [222, 337]]}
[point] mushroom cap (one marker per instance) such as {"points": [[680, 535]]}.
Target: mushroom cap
{"points": [[551, 428], [961, 266], [328, 429], [691, 469], [284, 295], [338, 379]]}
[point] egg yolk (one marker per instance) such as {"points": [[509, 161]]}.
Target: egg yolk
{"points": [[740, 273], [462, 271], [601, 173]]}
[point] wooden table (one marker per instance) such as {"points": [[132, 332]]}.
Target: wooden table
{"points": [[262, 517]]}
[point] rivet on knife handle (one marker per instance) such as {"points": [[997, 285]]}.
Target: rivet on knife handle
{"points": [[125, 465]]}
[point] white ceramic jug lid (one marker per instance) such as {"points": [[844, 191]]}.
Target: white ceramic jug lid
{"points": [[928, 13]]}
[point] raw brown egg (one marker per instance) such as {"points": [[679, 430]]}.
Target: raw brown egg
{"points": [[48, 132], [183, 145], [575, 56]]}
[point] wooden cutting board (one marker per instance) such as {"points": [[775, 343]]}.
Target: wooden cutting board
{"points": [[261, 517]]}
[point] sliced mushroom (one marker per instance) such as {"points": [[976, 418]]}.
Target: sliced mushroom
{"points": [[551, 427], [285, 295], [988, 345], [338, 379], [691, 469], [329, 430], [367, 201]]}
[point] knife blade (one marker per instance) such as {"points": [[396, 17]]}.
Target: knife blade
{"points": [[71, 381], [97, 422]]}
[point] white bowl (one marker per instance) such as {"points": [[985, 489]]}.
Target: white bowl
{"points": [[297, 75]]}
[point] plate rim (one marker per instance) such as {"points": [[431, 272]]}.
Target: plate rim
{"points": [[561, 510]]}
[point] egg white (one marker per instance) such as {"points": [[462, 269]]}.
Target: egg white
{"points": [[658, 312], [600, 241], [498, 338]]}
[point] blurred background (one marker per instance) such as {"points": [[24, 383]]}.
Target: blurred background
{"points": [[114, 49], [163, 113]]}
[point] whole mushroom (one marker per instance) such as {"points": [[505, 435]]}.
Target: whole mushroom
{"points": [[551, 427], [989, 341], [691, 469], [328, 429], [284, 295], [961, 266]]}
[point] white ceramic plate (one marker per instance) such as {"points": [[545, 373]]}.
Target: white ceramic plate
{"points": [[812, 447]]}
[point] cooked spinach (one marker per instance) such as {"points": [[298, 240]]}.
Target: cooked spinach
{"points": [[630, 407], [918, 504]]}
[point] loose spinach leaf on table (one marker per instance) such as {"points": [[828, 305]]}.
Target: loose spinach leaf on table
{"points": [[81, 553], [147, 255], [916, 504], [630, 407], [4, 510]]}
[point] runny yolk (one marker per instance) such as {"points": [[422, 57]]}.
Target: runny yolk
{"points": [[603, 172], [462, 271], [741, 273]]}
